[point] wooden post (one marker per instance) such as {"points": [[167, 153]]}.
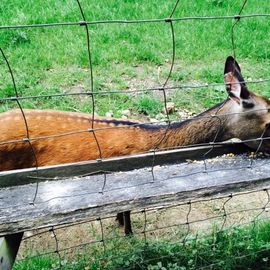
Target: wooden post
{"points": [[9, 246]]}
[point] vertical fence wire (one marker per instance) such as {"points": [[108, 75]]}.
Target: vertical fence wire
{"points": [[163, 136], [237, 19], [27, 138], [189, 203], [83, 23], [56, 248], [91, 74]]}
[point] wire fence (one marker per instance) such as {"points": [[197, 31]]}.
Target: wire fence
{"points": [[149, 227], [183, 226]]}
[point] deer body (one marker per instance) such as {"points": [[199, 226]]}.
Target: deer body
{"points": [[115, 137], [243, 115]]}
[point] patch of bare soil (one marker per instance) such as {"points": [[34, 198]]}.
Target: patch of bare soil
{"points": [[173, 224]]}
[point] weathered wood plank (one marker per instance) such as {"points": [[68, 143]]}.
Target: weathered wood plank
{"points": [[126, 163], [70, 200]]}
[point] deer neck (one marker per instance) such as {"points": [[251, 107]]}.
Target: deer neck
{"points": [[209, 126]]}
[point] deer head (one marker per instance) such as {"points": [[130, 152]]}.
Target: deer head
{"points": [[249, 113]]}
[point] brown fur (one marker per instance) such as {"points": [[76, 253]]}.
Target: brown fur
{"points": [[114, 139], [235, 118]]}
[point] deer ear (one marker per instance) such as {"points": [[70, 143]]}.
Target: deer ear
{"points": [[234, 81]]}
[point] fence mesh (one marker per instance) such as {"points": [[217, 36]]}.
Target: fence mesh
{"points": [[185, 227], [185, 224]]}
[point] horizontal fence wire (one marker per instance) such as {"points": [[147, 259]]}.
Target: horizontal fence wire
{"points": [[182, 231], [80, 23], [124, 92], [138, 124]]}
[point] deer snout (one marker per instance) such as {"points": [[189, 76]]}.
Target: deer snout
{"points": [[266, 139], [262, 141]]}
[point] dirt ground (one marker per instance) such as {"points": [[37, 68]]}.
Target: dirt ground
{"points": [[172, 224]]}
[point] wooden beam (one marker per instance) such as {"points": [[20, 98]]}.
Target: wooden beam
{"points": [[125, 163], [9, 246], [77, 199]]}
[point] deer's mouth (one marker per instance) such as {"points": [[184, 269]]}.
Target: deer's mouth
{"points": [[261, 143]]}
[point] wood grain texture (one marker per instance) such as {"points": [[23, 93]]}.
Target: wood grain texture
{"points": [[77, 199], [125, 163]]}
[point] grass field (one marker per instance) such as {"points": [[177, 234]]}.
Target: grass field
{"points": [[237, 248], [128, 56]]}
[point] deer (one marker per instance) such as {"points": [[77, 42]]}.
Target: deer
{"points": [[243, 115]]}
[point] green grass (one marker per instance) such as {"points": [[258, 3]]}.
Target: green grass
{"points": [[127, 56], [54, 60], [237, 248], [148, 105]]}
